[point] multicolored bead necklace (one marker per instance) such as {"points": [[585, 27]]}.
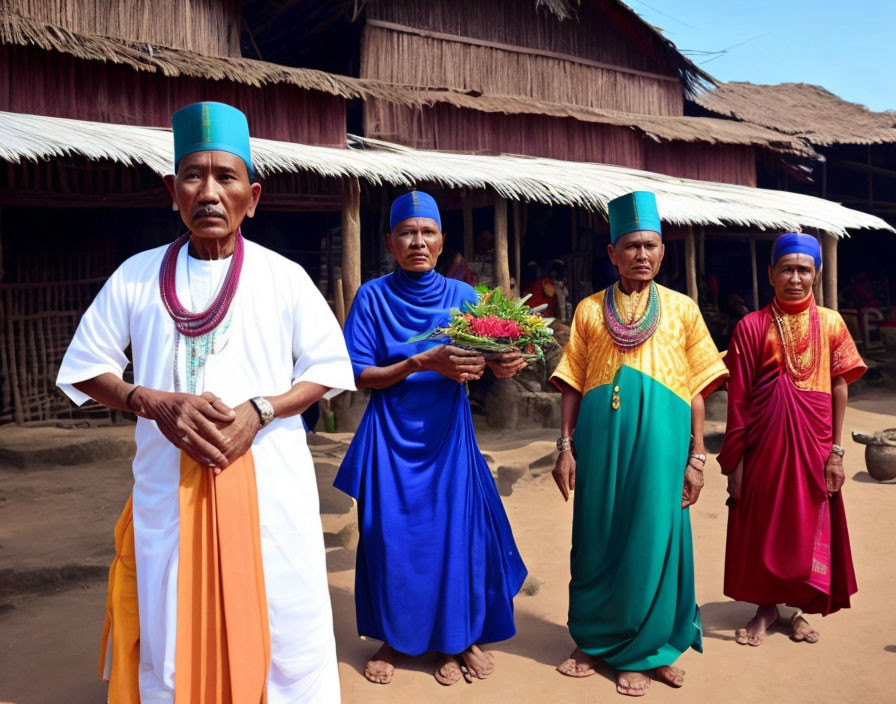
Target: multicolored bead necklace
{"points": [[629, 335]]}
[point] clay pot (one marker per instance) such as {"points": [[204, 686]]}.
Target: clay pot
{"points": [[880, 453]]}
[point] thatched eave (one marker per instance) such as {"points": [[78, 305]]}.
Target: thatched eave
{"points": [[24, 31], [660, 128], [591, 186], [802, 110]]}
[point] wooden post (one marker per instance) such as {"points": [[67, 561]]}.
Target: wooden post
{"points": [[351, 240], [502, 264], [339, 302], [517, 243], [701, 254], [690, 264], [468, 229], [829, 269], [755, 272]]}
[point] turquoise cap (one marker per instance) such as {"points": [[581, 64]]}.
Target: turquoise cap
{"points": [[206, 127], [633, 212]]}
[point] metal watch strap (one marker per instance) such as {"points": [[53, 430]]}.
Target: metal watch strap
{"points": [[264, 408]]}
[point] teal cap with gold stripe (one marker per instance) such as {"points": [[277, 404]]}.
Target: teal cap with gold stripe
{"points": [[632, 212], [208, 126]]}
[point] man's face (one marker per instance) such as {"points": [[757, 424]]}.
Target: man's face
{"points": [[213, 193], [638, 255], [416, 244], [792, 276]]}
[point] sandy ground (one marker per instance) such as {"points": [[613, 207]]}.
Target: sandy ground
{"points": [[56, 533]]}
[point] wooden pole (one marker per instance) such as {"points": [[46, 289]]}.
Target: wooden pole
{"points": [[517, 243], [690, 263], [468, 229], [351, 240], [829, 269], [755, 272], [502, 263], [339, 301]]}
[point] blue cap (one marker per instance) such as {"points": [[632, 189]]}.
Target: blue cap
{"points": [[633, 212], [415, 204], [206, 127], [796, 243]]}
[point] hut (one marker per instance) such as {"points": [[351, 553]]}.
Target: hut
{"points": [[856, 166]]}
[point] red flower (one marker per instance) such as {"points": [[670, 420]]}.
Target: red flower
{"points": [[493, 327]]}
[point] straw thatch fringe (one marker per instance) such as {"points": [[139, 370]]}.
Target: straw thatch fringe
{"points": [[23, 31], [659, 128], [804, 110], [590, 186]]}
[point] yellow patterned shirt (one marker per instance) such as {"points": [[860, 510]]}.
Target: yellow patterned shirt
{"points": [[680, 354]]}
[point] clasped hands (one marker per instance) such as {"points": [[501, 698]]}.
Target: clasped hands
{"points": [[204, 427], [466, 365]]}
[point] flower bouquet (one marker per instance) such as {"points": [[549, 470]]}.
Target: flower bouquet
{"points": [[496, 324]]}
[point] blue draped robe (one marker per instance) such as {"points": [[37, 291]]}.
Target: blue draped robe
{"points": [[437, 567]]}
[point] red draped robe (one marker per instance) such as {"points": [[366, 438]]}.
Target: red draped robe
{"points": [[787, 542]]}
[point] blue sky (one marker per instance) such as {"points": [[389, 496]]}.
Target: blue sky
{"points": [[846, 46]]}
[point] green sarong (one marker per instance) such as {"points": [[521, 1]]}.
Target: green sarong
{"points": [[631, 597]]}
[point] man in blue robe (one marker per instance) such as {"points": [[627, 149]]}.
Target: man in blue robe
{"points": [[437, 567]]}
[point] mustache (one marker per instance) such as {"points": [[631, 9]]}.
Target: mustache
{"points": [[209, 211]]}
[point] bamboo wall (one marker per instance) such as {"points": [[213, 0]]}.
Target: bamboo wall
{"points": [[205, 26], [456, 129], [600, 35], [58, 85]]}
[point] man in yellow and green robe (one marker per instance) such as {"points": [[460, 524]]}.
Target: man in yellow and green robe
{"points": [[633, 376]]}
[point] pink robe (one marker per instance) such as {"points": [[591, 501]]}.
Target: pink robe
{"points": [[787, 542]]}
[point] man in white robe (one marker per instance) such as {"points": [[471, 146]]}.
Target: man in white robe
{"points": [[277, 350]]}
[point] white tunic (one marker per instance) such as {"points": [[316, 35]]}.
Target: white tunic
{"points": [[281, 332]]}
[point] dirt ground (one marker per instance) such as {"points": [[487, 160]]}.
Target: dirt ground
{"points": [[56, 539]]}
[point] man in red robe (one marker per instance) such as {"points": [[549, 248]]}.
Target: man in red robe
{"points": [[790, 364]]}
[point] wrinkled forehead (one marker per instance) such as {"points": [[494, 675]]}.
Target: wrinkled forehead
{"points": [[415, 225], [639, 237], [795, 260], [214, 159]]}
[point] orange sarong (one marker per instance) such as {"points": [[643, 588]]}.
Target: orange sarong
{"points": [[220, 595]]}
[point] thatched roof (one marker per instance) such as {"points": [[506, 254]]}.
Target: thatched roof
{"points": [[802, 110], [591, 186], [657, 127], [24, 31]]}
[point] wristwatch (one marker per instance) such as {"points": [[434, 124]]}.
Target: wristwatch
{"points": [[837, 450], [564, 444], [264, 408]]}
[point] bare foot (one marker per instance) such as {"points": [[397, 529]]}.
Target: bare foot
{"points": [[632, 684], [578, 664], [381, 667], [447, 670], [672, 676], [479, 663], [802, 631], [756, 629]]}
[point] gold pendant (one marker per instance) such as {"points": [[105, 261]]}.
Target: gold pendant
{"points": [[614, 402]]}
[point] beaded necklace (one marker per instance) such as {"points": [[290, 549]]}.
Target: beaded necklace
{"points": [[195, 324], [631, 334], [203, 333], [800, 337]]}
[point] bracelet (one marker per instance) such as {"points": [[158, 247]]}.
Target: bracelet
{"points": [[837, 450], [127, 399], [698, 456], [564, 444]]}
